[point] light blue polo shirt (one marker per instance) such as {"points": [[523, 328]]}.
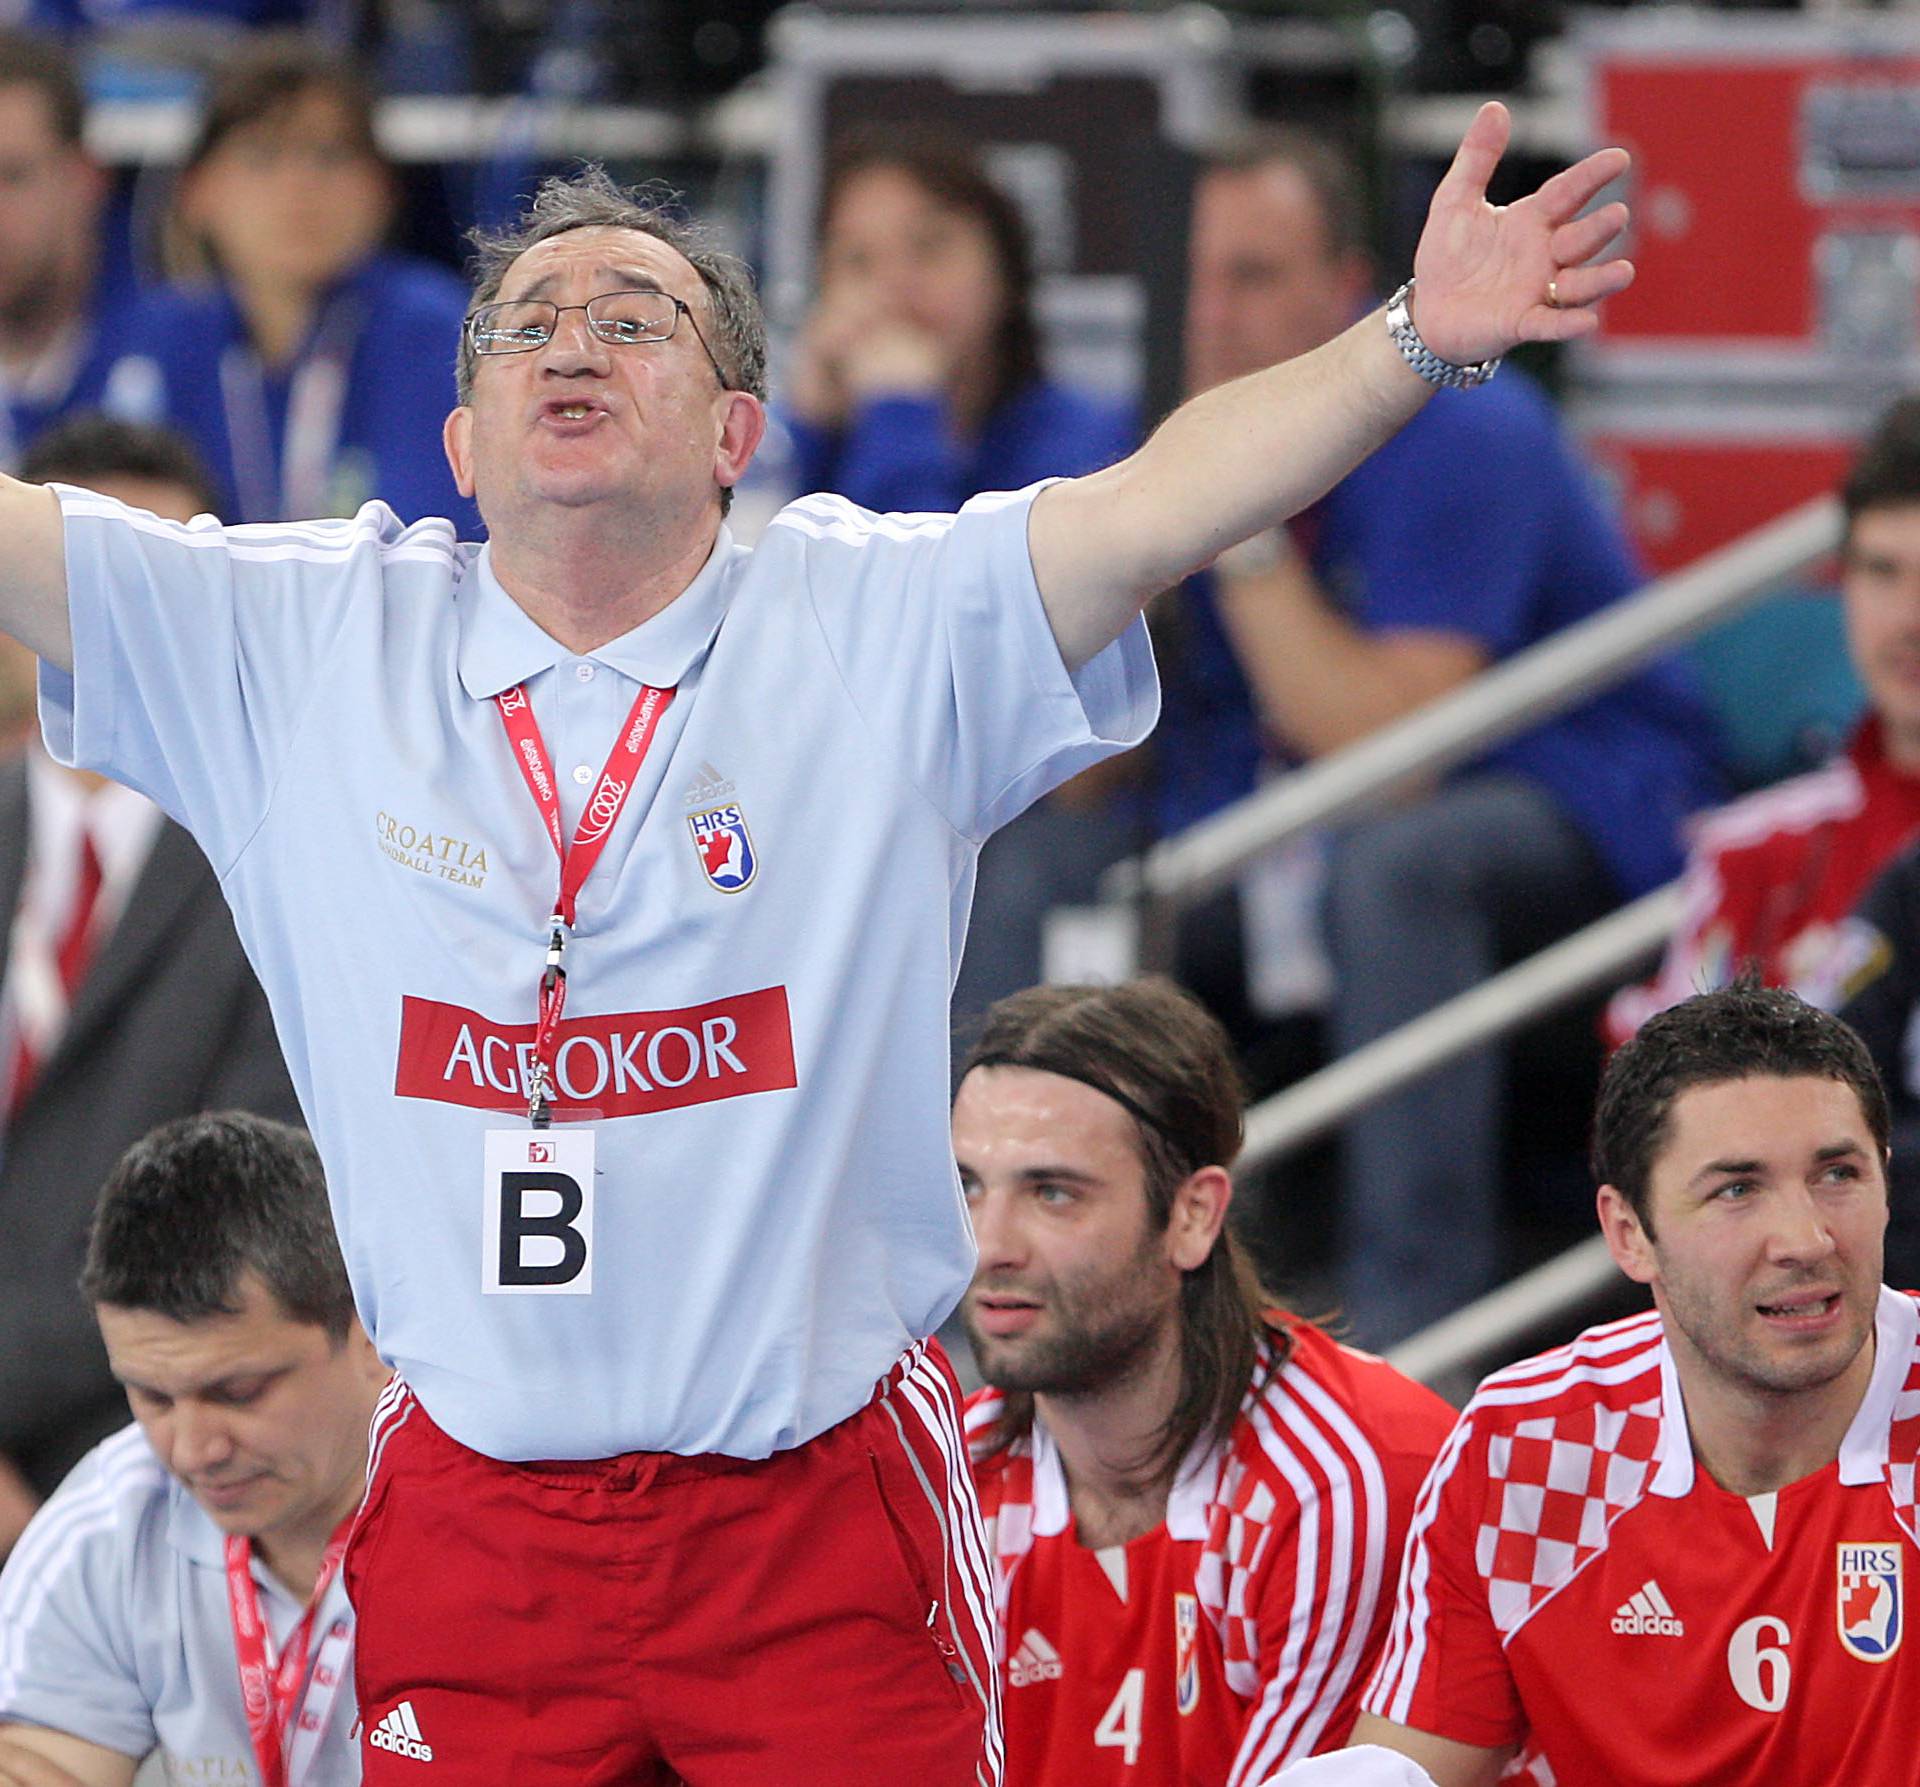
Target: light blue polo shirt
{"points": [[114, 1625], [757, 1006]]}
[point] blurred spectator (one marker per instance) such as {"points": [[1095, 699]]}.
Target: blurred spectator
{"points": [[60, 325], [1880, 998], [917, 384], [1471, 535], [1771, 878], [181, 1593], [317, 371], [125, 1001]]}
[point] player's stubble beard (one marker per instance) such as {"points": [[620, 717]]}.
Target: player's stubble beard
{"points": [[1698, 1312], [1103, 1329]]}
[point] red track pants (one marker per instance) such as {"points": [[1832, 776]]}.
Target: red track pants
{"points": [[823, 1616]]}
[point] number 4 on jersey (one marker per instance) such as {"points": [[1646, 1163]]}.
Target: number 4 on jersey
{"points": [[1119, 1726]]}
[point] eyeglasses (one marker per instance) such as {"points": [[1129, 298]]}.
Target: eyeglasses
{"points": [[621, 319]]}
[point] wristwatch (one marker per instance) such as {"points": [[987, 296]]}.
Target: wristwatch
{"points": [[1422, 358]]}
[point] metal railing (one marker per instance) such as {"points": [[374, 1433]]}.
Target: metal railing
{"points": [[1525, 689], [1531, 686]]}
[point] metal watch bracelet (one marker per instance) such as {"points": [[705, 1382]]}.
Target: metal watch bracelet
{"points": [[1422, 358]]}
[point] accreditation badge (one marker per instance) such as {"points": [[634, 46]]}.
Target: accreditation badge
{"points": [[537, 1232]]}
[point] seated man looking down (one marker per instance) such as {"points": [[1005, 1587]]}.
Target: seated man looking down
{"points": [[1197, 1500], [1704, 1514], [181, 1591]]}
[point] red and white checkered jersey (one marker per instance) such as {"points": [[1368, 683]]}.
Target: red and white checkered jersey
{"points": [[1237, 1635], [1571, 1576]]}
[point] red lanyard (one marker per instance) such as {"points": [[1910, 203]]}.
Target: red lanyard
{"points": [[576, 864], [271, 1692]]}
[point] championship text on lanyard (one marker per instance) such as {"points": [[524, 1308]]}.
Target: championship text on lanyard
{"points": [[576, 863], [285, 1728]]}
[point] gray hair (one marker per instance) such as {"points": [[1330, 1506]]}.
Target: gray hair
{"points": [[593, 199]]}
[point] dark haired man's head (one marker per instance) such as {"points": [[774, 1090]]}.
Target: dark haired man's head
{"points": [[1094, 1128], [199, 1204], [224, 1306], [1277, 262], [152, 467], [1742, 1032], [1886, 472], [51, 194], [1880, 576], [1741, 1144]]}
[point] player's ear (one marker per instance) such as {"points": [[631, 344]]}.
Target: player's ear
{"points": [[1626, 1236], [1199, 1212]]}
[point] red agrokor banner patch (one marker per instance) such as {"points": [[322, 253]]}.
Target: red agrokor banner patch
{"points": [[624, 1065]]}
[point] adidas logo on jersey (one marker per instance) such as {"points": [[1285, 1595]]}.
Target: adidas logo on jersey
{"points": [[399, 1732], [1035, 1661], [1647, 1614]]}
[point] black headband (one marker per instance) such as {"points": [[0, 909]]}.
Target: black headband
{"points": [[1105, 1087]]}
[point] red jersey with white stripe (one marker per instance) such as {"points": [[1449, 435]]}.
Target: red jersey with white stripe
{"points": [[1572, 1575], [1237, 1635], [1771, 880]]}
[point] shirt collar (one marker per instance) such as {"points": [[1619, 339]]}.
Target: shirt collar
{"points": [[1190, 1497], [501, 644], [1863, 1450]]}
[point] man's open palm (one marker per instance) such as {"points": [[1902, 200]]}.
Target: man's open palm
{"points": [[1484, 271]]}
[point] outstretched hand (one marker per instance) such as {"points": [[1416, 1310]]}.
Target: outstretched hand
{"points": [[1492, 276]]}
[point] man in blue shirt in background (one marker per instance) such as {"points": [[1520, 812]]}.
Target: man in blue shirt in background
{"points": [[1471, 535], [56, 288]]}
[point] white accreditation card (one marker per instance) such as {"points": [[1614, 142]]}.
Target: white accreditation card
{"points": [[537, 1237]]}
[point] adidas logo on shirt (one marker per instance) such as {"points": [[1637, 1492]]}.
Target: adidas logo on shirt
{"points": [[1647, 1614], [399, 1732], [707, 787], [1035, 1661]]}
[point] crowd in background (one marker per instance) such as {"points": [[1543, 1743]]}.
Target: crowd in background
{"points": [[258, 334]]}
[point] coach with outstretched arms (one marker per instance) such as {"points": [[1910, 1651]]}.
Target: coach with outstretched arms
{"points": [[607, 883]]}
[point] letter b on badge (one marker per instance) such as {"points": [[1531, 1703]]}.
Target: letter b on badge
{"points": [[537, 1235]]}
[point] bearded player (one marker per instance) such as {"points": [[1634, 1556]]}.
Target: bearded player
{"points": [[1197, 1501], [1704, 1514]]}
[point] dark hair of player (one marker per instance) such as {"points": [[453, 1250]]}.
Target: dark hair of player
{"points": [[1741, 1032], [1157, 1052], [1328, 170], [87, 446], [1886, 475], [950, 173], [197, 1203], [32, 59]]}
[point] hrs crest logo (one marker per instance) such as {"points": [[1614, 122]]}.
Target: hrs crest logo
{"points": [[1186, 1654], [725, 849], [1869, 1600]]}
